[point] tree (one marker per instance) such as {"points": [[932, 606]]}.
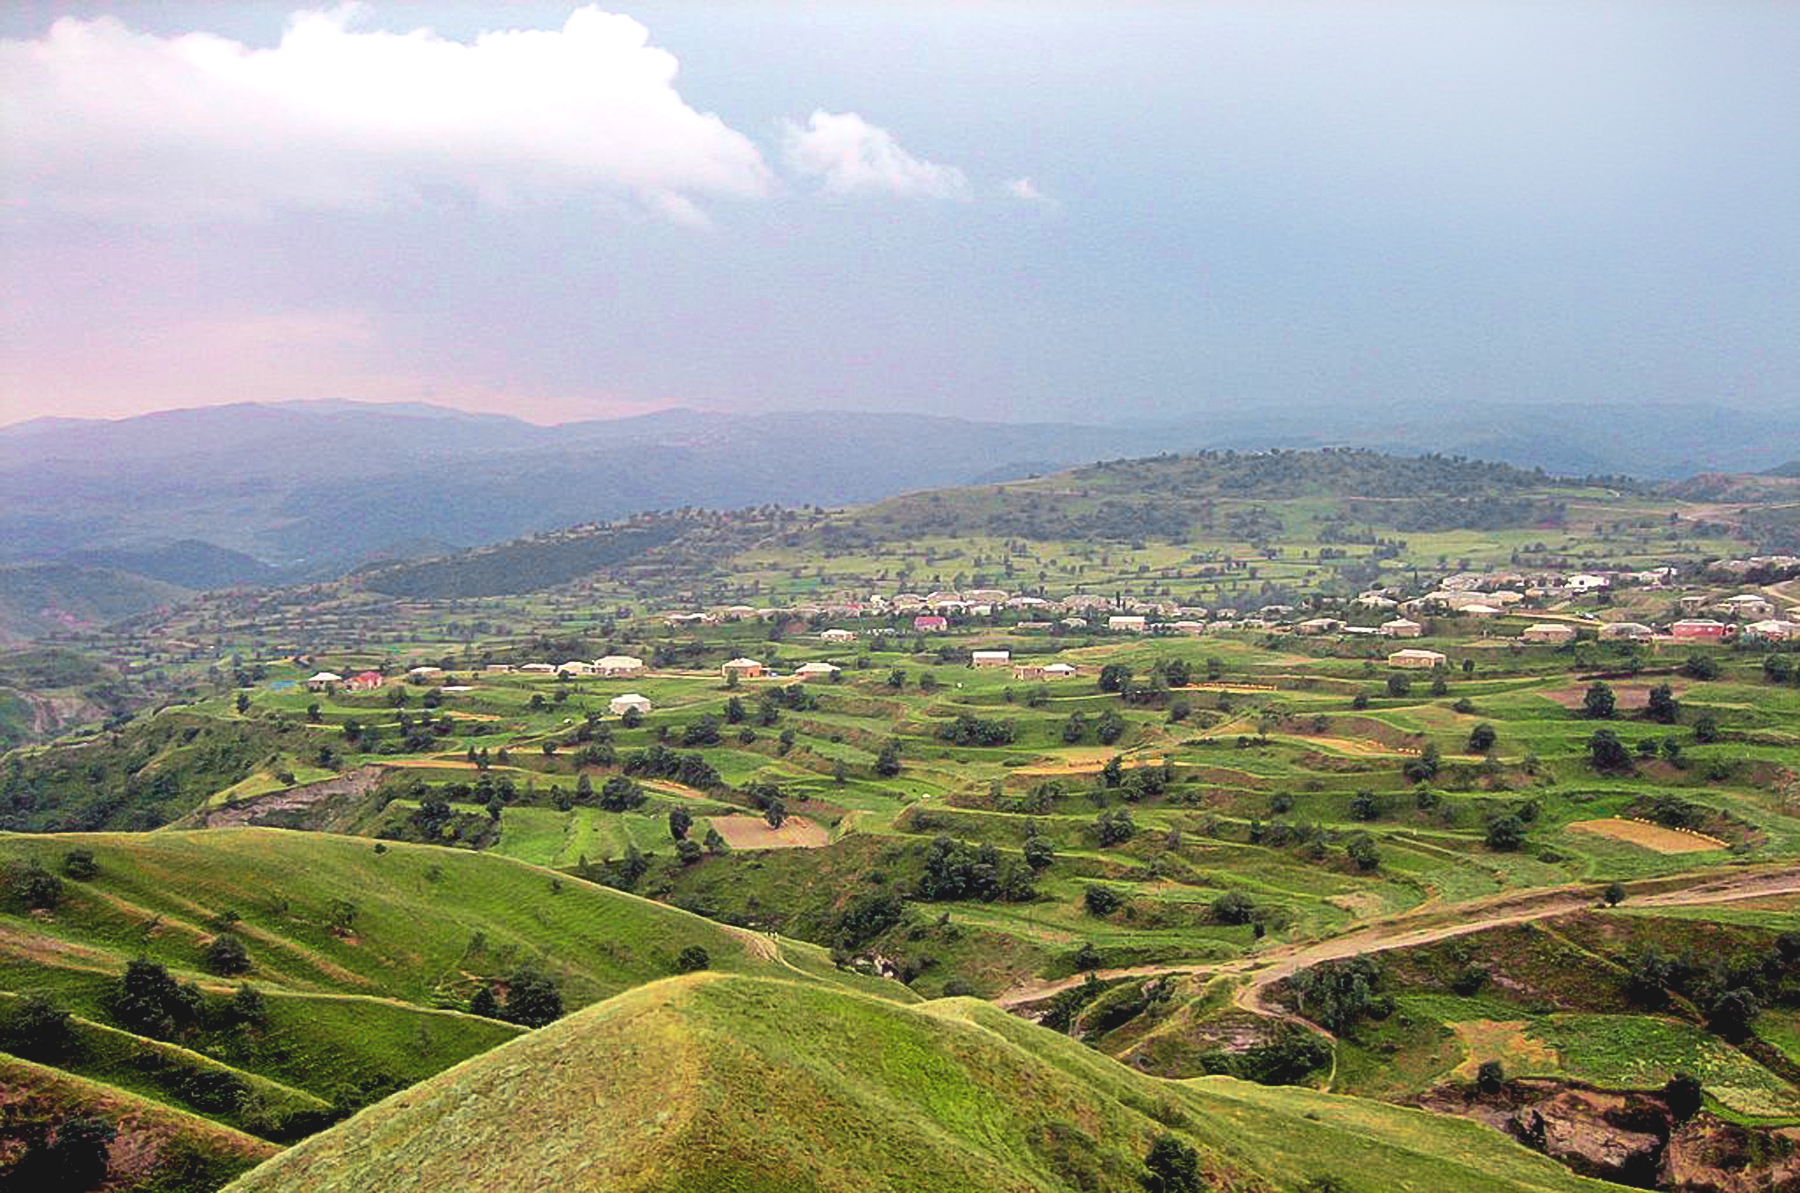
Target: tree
{"points": [[1364, 806], [75, 1158], [692, 959], [621, 794], [887, 762], [1115, 677], [1607, 752], [1110, 728], [1233, 907], [1732, 1014], [150, 1002], [1599, 704], [226, 954], [1361, 850], [1706, 729], [532, 998], [1171, 1166], [1700, 666], [1425, 767], [1662, 706], [1039, 852], [734, 711], [38, 1029], [1100, 900], [242, 703], [1399, 685], [715, 843], [1505, 834], [34, 886], [680, 821], [775, 814], [1684, 1095], [1482, 738], [1490, 1078]]}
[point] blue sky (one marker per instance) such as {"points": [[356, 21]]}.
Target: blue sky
{"points": [[827, 206]]}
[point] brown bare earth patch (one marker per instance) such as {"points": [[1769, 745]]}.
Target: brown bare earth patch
{"points": [[1630, 694], [1490, 1039], [1649, 836], [752, 832]]}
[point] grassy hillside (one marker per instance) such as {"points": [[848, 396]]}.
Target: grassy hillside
{"points": [[362, 958], [715, 1082]]}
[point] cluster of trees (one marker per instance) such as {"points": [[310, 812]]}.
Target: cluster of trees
{"points": [[1730, 991], [1337, 995], [658, 761], [528, 997], [956, 870], [970, 730]]}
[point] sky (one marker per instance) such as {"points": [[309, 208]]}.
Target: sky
{"points": [[1089, 212]]}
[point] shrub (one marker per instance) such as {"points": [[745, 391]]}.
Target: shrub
{"points": [[80, 865], [1100, 900], [692, 959], [226, 954]]}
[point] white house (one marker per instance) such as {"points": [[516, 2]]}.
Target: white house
{"points": [[539, 668], [618, 664], [1747, 605], [808, 671], [746, 668], [990, 658], [1319, 625], [1548, 632], [1586, 582], [1416, 659], [323, 680], [618, 706], [1129, 622], [1773, 630], [575, 667], [1402, 627], [838, 635], [1626, 631]]}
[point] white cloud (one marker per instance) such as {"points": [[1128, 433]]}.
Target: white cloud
{"points": [[104, 120], [849, 156], [1025, 190]]}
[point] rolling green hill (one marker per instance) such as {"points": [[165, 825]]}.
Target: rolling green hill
{"points": [[362, 961], [720, 1082]]}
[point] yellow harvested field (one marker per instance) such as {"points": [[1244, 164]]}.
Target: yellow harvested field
{"points": [[1650, 836], [1506, 1042], [752, 832]]}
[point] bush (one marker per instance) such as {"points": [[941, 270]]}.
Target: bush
{"points": [[1233, 907], [80, 865], [34, 886], [1101, 900], [692, 959], [37, 1029], [1490, 1078], [226, 954], [1505, 834], [1171, 1166], [1684, 1096]]}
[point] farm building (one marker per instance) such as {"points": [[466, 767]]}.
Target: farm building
{"points": [[1319, 625], [1402, 627], [575, 667], [1773, 630], [363, 681], [323, 680], [422, 672], [1374, 600], [1626, 631], [1060, 671], [990, 658], [498, 668], [811, 671], [618, 706], [838, 635], [930, 622], [618, 664], [1422, 660], [1479, 611], [1747, 606], [539, 668], [1131, 623], [1548, 631], [1074, 623], [743, 668], [1586, 582], [1698, 629], [1029, 671]]}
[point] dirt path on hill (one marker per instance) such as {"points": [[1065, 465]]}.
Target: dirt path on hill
{"points": [[1434, 923]]}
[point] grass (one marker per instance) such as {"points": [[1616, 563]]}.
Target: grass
{"points": [[647, 1092]]}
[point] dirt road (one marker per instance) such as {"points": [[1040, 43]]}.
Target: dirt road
{"points": [[1438, 922]]}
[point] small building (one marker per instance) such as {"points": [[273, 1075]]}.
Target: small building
{"points": [[1548, 632], [814, 671], [1402, 627], [1481, 611], [1773, 630], [1747, 606], [1130, 623], [1060, 671], [618, 706], [930, 623], [1698, 629], [1587, 582], [1074, 623], [575, 667], [990, 658], [1319, 625], [323, 680], [539, 668], [498, 668], [838, 635], [618, 664], [1626, 631], [1029, 671], [742, 668], [364, 681], [1421, 660]]}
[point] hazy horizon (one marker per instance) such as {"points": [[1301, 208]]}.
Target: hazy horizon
{"points": [[1062, 213]]}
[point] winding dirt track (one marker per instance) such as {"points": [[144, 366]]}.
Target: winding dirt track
{"points": [[1431, 923]]}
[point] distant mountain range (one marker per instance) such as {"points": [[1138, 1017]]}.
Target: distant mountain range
{"points": [[262, 493]]}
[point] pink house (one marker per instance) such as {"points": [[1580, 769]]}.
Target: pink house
{"points": [[364, 681], [1698, 630], [931, 621]]}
